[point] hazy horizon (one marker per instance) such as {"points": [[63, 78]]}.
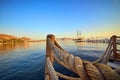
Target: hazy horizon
{"points": [[37, 18]]}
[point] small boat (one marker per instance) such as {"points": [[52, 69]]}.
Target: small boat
{"points": [[79, 38]]}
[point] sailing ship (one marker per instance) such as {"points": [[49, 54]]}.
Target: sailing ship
{"points": [[79, 38]]}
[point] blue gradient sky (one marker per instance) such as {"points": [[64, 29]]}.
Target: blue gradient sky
{"points": [[37, 18]]}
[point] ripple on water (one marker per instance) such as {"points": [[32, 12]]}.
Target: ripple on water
{"points": [[28, 63]]}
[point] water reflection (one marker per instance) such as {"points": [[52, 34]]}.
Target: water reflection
{"points": [[9, 47], [80, 45], [22, 61], [27, 61], [91, 46]]}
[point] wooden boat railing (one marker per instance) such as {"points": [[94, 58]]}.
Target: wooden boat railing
{"points": [[84, 69]]}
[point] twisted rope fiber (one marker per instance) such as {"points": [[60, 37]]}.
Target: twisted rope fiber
{"points": [[51, 69], [109, 52], [109, 73], [46, 77], [85, 69], [67, 77], [105, 57]]}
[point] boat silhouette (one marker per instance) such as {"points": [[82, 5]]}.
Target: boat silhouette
{"points": [[79, 38]]}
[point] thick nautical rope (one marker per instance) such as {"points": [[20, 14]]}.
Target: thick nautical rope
{"points": [[67, 77], [51, 70], [85, 69]]}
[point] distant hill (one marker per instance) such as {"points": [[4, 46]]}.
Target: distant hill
{"points": [[6, 36], [10, 39]]}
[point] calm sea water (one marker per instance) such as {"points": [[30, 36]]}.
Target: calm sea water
{"points": [[27, 61]]}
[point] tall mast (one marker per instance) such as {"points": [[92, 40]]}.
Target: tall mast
{"points": [[77, 34], [80, 34]]}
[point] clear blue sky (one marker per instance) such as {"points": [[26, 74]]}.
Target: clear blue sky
{"points": [[37, 18]]}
